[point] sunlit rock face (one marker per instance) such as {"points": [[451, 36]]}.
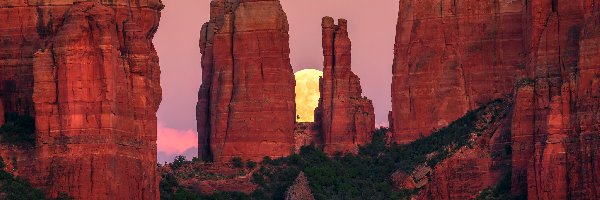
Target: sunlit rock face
{"points": [[246, 104], [451, 57], [88, 72], [307, 94], [346, 118], [556, 132]]}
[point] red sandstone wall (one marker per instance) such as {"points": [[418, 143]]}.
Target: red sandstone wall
{"points": [[558, 138], [450, 57], [89, 74], [345, 117], [246, 104], [546, 48]]}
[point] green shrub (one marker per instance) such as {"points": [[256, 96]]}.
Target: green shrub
{"points": [[168, 185], [18, 130], [250, 164], [18, 189], [178, 162], [237, 162], [2, 164], [267, 160], [366, 175], [196, 160], [258, 179], [502, 191]]}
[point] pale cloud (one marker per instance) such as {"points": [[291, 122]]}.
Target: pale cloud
{"points": [[173, 142]]}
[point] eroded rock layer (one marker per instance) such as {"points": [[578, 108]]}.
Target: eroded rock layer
{"points": [[451, 57], [472, 169], [346, 118], [548, 48], [246, 104], [88, 72], [556, 121]]}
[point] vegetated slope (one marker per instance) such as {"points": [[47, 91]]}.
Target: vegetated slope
{"points": [[347, 176]]}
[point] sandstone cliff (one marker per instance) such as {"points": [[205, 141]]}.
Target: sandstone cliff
{"points": [[546, 48], [88, 72], [555, 127], [477, 166], [345, 117], [246, 104], [451, 57]]}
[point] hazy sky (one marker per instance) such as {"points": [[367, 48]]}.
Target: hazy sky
{"points": [[372, 26]]}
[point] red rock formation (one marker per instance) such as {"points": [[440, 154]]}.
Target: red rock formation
{"points": [[554, 126], [522, 127], [246, 104], [583, 139], [305, 134], [300, 190], [450, 57], [556, 118], [346, 118], [401, 180], [462, 176], [89, 74], [472, 169]]}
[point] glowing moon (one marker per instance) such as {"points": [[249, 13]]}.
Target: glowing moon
{"points": [[307, 94]]}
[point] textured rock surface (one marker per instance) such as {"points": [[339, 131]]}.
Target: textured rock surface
{"points": [[89, 74], [402, 180], [346, 118], [462, 176], [246, 102], [243, 185], [450, 57], [27, 24], [300, 190], [548, 49], [473, 169], [522, 127], [305, 134], [555, 126]]}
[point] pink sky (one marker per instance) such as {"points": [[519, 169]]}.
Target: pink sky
{"points": [[372, 27]]}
